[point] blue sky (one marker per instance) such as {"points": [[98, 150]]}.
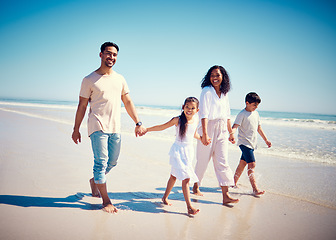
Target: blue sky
{"points": [[283, 50]]}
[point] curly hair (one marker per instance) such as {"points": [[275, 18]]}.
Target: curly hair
{"points": [[226, 83]]}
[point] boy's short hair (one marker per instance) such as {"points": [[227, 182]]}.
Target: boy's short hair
{"points": [[108, 44], [252, 97]]}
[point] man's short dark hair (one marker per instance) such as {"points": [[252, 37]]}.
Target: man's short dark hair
{"points": [[252, 97], [108, 44]]}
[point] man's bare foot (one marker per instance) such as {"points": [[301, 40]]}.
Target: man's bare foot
{"points": [[193, 211], [197, 191], [94, 189], [258, 192], [110, 208], [228, 200], [165, 202]]}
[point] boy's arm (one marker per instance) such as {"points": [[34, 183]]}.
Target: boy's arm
{"points": [[262, 134], [170, 123]]}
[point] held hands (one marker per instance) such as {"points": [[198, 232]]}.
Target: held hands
{"points": [[140, 131], [205, 140], [232, 139]]}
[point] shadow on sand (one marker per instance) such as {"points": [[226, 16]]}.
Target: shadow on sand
{"points": [[135, 201]]}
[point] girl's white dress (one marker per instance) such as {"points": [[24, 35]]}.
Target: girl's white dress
{"points": [[182, 154]]}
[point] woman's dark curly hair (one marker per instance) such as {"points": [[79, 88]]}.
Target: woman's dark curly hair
{"points": [[225, 85]]}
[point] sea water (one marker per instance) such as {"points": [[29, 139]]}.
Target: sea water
{"points": [[298, 136]]}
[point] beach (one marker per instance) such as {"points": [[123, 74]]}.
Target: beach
{"points": [[45, 192]]}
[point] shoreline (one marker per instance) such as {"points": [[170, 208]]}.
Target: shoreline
{"points": [[47, 175]]}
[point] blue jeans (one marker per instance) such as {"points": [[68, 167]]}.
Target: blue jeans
{"points": [[106, 149]]}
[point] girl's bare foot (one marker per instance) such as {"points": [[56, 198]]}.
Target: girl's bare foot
{"points": [[197, 191], [94, 189], [110, 208], [165, 202], [258, 192], [228, 200], [193, 211]]}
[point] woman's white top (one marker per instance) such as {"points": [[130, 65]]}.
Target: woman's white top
{"points": [[213, 107]]}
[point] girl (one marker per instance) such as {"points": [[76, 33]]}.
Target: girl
{"points": [[182, 151], [216, 124]]}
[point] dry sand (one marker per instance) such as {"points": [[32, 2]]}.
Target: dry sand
{"points": [[45, 194]]}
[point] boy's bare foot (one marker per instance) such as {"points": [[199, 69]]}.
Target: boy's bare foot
{"points": [[165, 202], [228, 200], [258, 192], [193, 211], [94, 189], [110, 208], [197, 191]]}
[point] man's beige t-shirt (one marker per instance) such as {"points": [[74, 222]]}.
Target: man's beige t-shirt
{"points": [[104, 93]]}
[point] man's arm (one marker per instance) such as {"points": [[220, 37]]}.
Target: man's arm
{"points": [[130, 109], [81, 109]]}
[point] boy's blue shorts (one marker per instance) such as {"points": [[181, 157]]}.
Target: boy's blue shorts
{"points": [[247, 154]]}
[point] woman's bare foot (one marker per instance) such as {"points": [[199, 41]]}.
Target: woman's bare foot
{"points": [[165, 201], [197, 191], [193, 211], [258, 192], [94, 189], [228, 200], [109, 208]]}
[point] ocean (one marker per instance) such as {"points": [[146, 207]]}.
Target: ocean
{"points": [[297, 136]]}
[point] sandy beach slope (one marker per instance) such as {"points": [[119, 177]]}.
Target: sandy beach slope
{"points": [[44, 194]]}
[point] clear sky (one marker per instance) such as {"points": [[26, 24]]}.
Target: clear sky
{"points": [[283, 50]]}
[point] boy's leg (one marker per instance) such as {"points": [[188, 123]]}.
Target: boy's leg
{"points": [[250, 172], [241, 166], [170, 185], [185, 189]]}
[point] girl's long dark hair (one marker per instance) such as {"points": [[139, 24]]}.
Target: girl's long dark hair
{"points": [[225, 85], [183, 119]]}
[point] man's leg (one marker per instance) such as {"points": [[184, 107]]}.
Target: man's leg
{"points": [[99, 141]]}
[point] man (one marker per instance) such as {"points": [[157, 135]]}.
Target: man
{"points": [[104, 89]]}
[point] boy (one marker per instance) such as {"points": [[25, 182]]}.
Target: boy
{"points": [[248, 124]]}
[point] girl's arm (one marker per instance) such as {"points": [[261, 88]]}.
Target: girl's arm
{"points": [[170, 123], [205, 138], [197, 136], [231, 132], [262, 134]]}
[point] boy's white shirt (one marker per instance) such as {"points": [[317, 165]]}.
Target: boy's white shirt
{"points": [[248, 128]]}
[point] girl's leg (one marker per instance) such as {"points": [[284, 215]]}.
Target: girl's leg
{"points": [[250, 172], [170, 185], [226, 198], [185, 189], [242, 164]]}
